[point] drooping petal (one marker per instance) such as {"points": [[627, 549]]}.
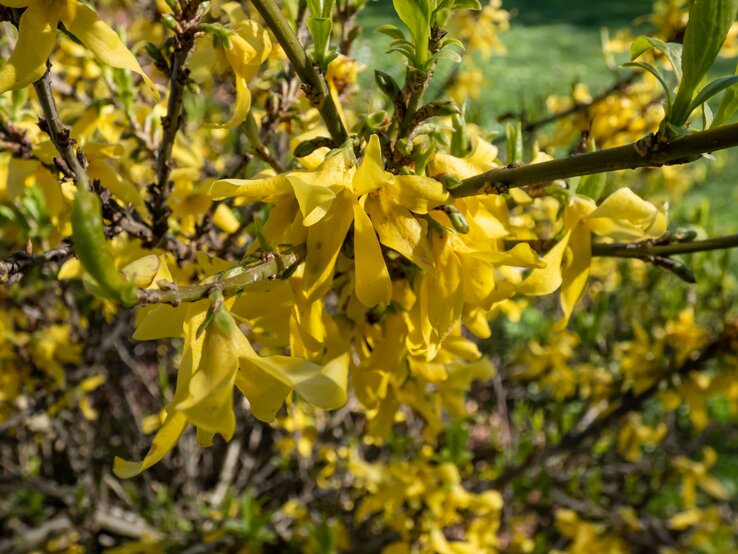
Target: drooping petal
{"points": [[163, 442], [101, 40], [373, 283], [36, 38], [264, 392], [324, 241], [315, 198], [576, 272], [255, 189], [398, 229], [241, 107], [625, 216], [321, 386], [547, 279], [209, 405], [15, 3]]}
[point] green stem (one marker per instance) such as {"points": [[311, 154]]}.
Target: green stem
{"points": [[274, 265], [314, 84], [642, 249], [647, 152]]}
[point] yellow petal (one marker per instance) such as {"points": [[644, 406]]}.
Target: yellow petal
{"points": [[398, 229], [324, 241], [256, 189], [625, 216], [314, 197], [101, 40], [210, 402], [264, 392], [15, 3], [373, 284], [520, 255], [159, 321], [321, 386], [241, 107], [162, 444], [546, 280], [36, 38], [576, 272], [224, 218], [142, 271], [371, 175], [417, 193]]}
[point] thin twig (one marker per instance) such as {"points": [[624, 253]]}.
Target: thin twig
{"points": [[630, 402], [184, 43]]}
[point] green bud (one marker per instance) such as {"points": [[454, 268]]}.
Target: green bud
{"points": [[450, 182], [169, 22], [387, 85], [456, 217]]}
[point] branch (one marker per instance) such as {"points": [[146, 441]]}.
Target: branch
{"points": [[630, 402], [274, 265], [73, 163], [531, 126], [643, 249], [647, 248], [187, 27], [647, 152], [16, 265], [313, 83]]}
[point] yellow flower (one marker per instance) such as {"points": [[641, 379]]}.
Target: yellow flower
{"points": [[37, 36], [338, 193], [248, 46]]}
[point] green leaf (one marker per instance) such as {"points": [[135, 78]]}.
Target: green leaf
{"points": [[728, 105], [709, 22], [391, 31], [448, 54], [671, 50], [320, 29], [712, 89], [514, 143], [656, 73], [467, 5], [416, 15]]}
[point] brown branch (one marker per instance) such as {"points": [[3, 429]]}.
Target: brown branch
{"points": [[629, 403], [187, 20]]}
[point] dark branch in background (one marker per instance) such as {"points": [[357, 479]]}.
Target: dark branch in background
{"points": [[647, 152], [313, 82], [71, 164], [186, 28], [726, 342], [532, 126], [15, 266]]}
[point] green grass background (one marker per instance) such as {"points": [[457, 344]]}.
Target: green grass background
{"points": [[552, 44]]}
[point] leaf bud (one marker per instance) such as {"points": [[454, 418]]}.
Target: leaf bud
{"points": [[387, 85]]}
